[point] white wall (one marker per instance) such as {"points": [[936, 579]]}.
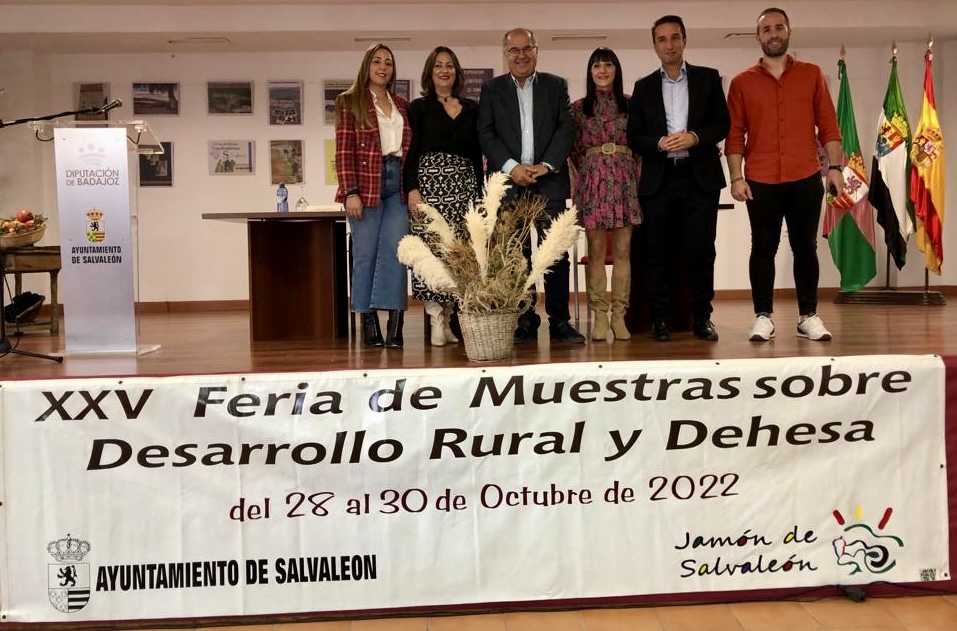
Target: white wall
{"points": [[184, 258]]}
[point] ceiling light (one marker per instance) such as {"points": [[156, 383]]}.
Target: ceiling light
{"points": [[738, 34], [579, 37], [198, 40], [371, 40]]}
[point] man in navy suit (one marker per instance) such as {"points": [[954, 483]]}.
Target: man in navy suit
{"points": [[676, 119], [526, 130]]}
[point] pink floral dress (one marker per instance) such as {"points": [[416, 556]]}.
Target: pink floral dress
{"points": [[606, 189]]}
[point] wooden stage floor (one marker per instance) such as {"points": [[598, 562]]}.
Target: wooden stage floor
{"points": [[218, 342]]}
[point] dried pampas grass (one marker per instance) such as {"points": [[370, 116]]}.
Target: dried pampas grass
{"points": [[485, 268]]}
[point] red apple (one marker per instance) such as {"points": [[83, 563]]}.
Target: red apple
{"points": [[24, 215]]}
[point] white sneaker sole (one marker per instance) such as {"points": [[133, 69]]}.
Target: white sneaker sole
{"points": [[757, 337], [824, 338]]}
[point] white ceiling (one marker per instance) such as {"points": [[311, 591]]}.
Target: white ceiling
{"points": [[148, 26]]}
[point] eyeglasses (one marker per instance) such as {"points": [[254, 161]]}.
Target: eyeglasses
{"points": [[514, 52]]}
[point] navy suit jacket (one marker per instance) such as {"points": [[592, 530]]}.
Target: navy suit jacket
{"points": [[707, 117], [500, 128]]}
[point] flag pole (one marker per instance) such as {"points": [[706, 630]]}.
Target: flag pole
{"points": [[888, 295]]}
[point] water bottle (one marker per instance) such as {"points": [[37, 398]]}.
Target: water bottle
{"points": [[282, 203]]}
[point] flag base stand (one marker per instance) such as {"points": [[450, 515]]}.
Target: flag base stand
{"points": [[890, 297]]}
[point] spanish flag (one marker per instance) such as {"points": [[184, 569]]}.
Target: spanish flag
{"points": [[927, 176]]}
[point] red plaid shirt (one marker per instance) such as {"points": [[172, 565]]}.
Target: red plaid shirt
{"points": [[359, 153]]}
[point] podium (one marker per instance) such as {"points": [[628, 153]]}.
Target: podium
{"points": [[94, 190]]}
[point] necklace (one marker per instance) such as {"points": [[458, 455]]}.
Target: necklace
{"points": [[443, 98]]}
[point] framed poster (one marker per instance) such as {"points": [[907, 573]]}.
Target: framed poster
{"points": [[474, 78], [87, 95], [329, 146], [403, 88], [285, 102], [231, 157], [156, 169], [330, 90], [156, 99], [229, 97], [286, 162]]}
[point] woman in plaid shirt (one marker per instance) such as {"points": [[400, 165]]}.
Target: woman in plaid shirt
{"points": [[372, 136]]}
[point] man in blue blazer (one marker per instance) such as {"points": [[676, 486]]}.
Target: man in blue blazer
{"points": [[676, 119], [526, 130]]}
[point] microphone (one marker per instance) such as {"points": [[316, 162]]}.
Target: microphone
{"points": [[112, 105]]}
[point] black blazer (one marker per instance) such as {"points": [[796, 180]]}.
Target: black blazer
{"points": [[707, 117], [500, 128]]}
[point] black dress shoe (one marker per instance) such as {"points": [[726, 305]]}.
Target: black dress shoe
{"points": [[371, 333], [525, 334], [565, 332], [659, 331], [704, 330]]}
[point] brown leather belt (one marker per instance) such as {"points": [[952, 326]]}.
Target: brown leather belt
{"points": [[608, 148]]}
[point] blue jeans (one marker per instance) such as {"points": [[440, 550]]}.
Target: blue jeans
{"points": [[379, 281]]}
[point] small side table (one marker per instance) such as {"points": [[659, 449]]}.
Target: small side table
{"points": [[29, 260]]}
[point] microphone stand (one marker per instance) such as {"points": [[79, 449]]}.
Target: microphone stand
{"points": [[6, 348]]}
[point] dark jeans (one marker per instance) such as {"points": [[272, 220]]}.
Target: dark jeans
{"points": [[556, 279], [799, 205], [680, 213]]}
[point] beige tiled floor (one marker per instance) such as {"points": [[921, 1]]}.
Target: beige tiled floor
{"points": [[925, 613]]}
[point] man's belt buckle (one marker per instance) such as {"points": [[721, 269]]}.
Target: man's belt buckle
{"points": [[609, 148]]}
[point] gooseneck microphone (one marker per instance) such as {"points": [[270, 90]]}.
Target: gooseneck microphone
{"points": [[112, 105]]}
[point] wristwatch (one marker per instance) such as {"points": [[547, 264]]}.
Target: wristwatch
{"points": [[835, 167]]}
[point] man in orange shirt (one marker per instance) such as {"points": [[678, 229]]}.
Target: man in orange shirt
{"points": [[780, 109]]}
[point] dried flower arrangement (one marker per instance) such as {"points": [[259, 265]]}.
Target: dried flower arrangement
{"points": [[482, 265]]}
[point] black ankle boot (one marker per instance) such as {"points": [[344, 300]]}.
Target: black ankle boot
{"points": [[393, 329], [371, 333]]}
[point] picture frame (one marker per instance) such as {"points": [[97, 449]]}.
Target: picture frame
{"points": [[474, 79], [229, 97], [285, 102], [403, 88], [156, 169], [332, 88], [155, 99], [286, 162], [231, 157], [87, 95]]}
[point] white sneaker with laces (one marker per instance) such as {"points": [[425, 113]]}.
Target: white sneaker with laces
{"points": [[762, 330], [812, 327]]}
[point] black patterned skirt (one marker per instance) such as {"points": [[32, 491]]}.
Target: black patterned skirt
{"points": [[447, 183]]}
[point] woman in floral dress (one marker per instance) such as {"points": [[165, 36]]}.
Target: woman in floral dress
{"points": [[606, 189]]}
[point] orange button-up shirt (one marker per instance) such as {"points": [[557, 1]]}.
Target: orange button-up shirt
{"points": [[776, 123]]}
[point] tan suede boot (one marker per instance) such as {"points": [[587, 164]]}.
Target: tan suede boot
{"points": [[446, 324], [595, 283], [620, 293]]}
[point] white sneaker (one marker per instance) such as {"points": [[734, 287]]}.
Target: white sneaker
{"points": [[812, 327], [762, 330]]}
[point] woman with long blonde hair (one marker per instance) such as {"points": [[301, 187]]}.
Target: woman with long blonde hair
{"points": [[372, 138]]}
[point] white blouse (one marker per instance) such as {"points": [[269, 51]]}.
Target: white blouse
{"points": [[390, 127]]}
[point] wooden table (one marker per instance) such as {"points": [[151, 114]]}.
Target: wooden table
{"points": [[298, 266], [32, 259]]}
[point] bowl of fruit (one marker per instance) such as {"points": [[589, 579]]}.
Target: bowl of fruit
{"points": [[22, 230]]}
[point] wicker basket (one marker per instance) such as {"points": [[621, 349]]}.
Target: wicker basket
{"points": [[488, 336], [23, 238]]}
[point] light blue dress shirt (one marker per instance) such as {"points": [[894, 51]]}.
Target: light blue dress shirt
{"points": [[526, 111], [675, 95]]}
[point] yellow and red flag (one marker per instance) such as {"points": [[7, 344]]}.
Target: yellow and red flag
{"points": [[927, 176]]}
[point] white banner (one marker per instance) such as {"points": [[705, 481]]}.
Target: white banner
{"points": [[230, 495], [96, 251]]}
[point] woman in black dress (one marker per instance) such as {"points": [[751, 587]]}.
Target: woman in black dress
{"points": [[443, 167]]}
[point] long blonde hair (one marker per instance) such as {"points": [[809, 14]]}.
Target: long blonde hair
{"points": [[356, 98]]}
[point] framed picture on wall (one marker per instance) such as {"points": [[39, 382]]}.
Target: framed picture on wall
{"points": [[286, 162], [156, 169], [156, 99], [229, 97], [403, 88], [231, 157], [89, 95], [285, 102], [330, 90], [474, 78]]}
